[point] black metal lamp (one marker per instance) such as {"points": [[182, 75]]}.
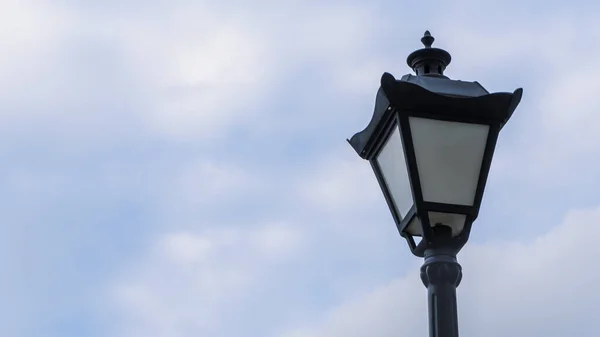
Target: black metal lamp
{"points": [[430, 143]]}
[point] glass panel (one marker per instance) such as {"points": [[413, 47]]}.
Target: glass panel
{"points": [[393, 168], [414, 227], [449, 156], [455, 221]]}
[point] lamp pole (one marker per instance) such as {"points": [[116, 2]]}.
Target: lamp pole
{"points": [[441, 274], [430, 143]]}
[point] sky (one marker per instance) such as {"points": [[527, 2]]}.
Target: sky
{"points": [[180, 168]]}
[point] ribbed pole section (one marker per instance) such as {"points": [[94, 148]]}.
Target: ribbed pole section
{"points": [[441, 274]]}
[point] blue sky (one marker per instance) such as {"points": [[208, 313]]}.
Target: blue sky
{"points": [[179, 168]]}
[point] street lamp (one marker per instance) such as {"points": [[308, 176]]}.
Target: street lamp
{"points": [[430, 143]]}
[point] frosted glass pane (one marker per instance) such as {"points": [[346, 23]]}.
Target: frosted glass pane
{"points": [[455, 221], [449, 156], [393, 168], [414, 227]]}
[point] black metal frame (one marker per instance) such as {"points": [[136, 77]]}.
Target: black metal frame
{"points": [[397, 101]]}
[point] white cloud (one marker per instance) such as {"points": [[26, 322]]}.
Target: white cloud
{"points": [[210, 67], [185, 71], [340, 183], [206, 68], [186, 248], [278, 241], [510, 288], [189, 282], [202, 182], [25, 29], [30, 33]]}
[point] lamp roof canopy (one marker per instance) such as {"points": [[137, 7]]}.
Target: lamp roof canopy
{"points": [[430, 91]]}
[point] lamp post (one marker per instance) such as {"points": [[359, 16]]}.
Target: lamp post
{"points": [[430, 143]]}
